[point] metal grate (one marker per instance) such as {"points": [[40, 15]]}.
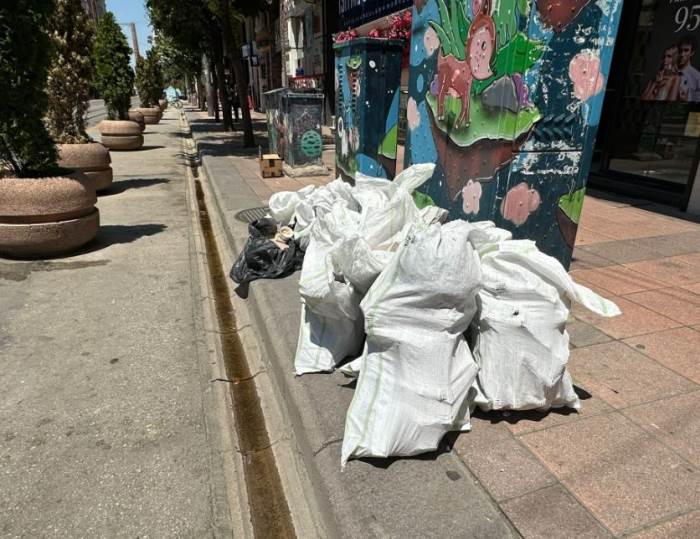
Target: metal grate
{"points": [[252, 214]]}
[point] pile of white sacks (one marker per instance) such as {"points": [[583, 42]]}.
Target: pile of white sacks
{"points": [[395, 288]]}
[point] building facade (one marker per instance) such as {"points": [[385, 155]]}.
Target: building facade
{"points": [[94, 8]]}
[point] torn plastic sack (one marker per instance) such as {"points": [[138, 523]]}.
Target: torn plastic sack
{"points": [[262, 258], [331, 325], [283, 204], [520, 338], [417, 368]]}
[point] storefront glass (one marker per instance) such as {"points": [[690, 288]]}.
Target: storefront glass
{"points": [[655, 124]]}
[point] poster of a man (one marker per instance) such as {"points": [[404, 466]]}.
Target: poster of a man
{"points": [[671, 72], [690, 76]]}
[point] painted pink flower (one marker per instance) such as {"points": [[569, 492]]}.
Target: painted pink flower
{"points": [[519, 203], [584, 72], [471, 195], [431, 41], [412, 114]]}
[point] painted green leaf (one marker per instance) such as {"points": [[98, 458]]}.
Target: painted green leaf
{"points": [[524, 7], [445, 43], [422, 200], [572, 204], [506, 20], [519, 55], [388, 145], [459, 23], [463, 22], [484, 123]]}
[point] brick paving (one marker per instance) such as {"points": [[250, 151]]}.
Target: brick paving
{"points": [[627, 463]]}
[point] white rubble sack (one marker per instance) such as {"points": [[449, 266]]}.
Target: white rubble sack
{"points": [[283, 204], [417, 368], [331, 321], [520, 340], [352, 234]]}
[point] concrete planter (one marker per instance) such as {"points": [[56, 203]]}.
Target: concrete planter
{"points": [[92, 159], [121, 135], [42, 217], [151, 115], [163, 104], [136, 116]]}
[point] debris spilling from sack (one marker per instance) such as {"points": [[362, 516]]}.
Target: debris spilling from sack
{"points": [[398, 293]]}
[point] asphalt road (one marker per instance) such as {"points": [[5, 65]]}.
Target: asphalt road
{"points": [[98, 112]]}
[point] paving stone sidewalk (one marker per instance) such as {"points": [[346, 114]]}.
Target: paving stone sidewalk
{"points": [[628, 463]]}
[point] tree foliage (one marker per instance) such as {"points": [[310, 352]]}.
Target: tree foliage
{"points": [[70, 72], [114, 77], [25, 52], [149, 79]]}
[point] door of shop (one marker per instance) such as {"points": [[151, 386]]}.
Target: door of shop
{"points": [[648, 141]]}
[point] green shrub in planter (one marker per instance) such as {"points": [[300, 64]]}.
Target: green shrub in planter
{"points": [[149, 80], [114, 77], [26, 149]]}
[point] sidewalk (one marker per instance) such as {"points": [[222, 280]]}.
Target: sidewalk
{"points": [[106, 421], [626, 465]]}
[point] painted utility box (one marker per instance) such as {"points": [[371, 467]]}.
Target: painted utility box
{"points": [[505, 96], [367, 85], [294, 122], [275, 127]]}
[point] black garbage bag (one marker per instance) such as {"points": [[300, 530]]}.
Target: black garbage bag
{"points": [[262, 258]]}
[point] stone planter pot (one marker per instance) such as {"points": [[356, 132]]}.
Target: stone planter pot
{"points": [[136, 116], [163, 104], [121, 135], [92, 159], [151, 115], [42, 217]]}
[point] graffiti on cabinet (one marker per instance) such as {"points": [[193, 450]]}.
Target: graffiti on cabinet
{"points": [[505, 96], [367, 83]]}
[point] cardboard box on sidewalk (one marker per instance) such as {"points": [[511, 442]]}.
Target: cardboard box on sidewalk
{"points": [[270, 164]]}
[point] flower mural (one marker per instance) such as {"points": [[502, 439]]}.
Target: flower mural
{"points": [[584, 72], [471, 196], [412, 114], [519, 203]]}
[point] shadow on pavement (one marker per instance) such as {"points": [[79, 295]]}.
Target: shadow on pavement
{"points": [[218, 142], [116, 234], [120, 186], [151, 147]]}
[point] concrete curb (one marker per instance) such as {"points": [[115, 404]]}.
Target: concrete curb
{"points": [[391, 497]]}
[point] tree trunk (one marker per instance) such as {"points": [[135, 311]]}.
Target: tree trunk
{"points": [[231, 41], [221, 81], [210, 82]]}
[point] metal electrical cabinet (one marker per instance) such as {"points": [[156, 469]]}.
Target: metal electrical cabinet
{"points": [[368, 80], [294, 122]]}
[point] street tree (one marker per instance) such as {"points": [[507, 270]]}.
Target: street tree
{"points": [[212, 27], [70, 72], [114, 77]]}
